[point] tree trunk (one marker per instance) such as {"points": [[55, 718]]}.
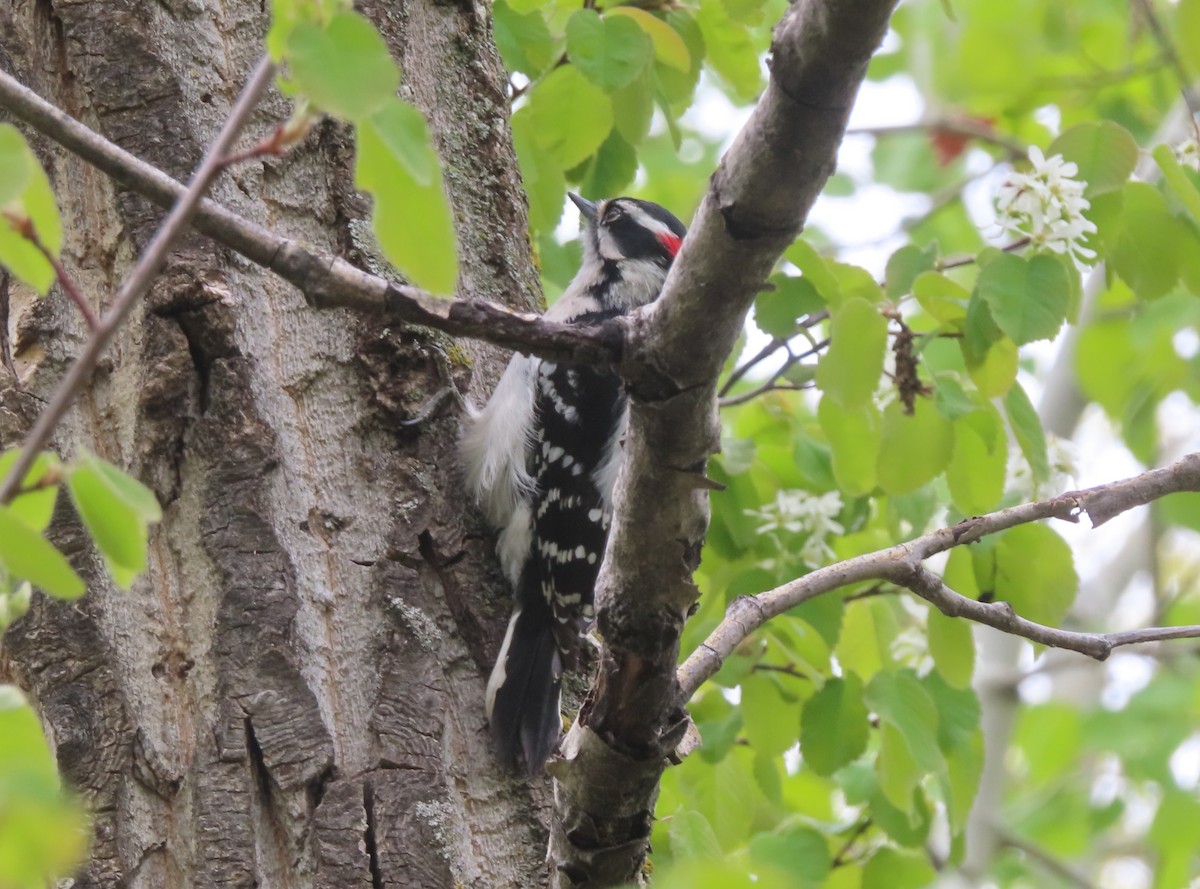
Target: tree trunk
{"points": [[292, 694]]}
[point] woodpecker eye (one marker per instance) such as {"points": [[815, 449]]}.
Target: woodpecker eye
{"points": [[612, 213]]}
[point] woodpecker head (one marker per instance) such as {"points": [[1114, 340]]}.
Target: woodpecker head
{"points": [[626, 229]]}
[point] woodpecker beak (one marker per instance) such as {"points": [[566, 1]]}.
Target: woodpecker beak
{"points": [[586, 207]]}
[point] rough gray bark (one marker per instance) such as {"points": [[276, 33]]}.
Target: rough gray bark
{"points": [[291, 696], [758, 198]]}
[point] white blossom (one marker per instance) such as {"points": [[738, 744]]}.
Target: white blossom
{"points": [[1046, 205], [802, 512]]}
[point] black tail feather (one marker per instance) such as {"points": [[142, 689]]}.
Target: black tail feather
{"points": [[524, 688]]}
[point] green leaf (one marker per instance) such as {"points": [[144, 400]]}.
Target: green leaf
{"points": [[35, 507], [952, 646], [914, 449], [343, 68], [692, 836], [1181, 186], [541, 174], [958, 711], [996, 371], [1105, 152], [15, 164], [868, 629], [763, 716], [524, 41], [892, 869], [633, 108], [43, 835], [1028, 299], [132, 493], [1186, 34], [1035, 573], [569, 117], [401, 128], [849, 372], [904, 266], [812, 265], [900, 701], [1148, 247], [611, 51], [950, 398], [730, 51], [1027, 428], [777, 310], [411, 219], [942, 298], [834, 725], [669, 47], [898, 771], [30, 200], [964, 766], [25, 554], [799, 853], [979, 465], [116, 527], [612, 168], [854, 437]]}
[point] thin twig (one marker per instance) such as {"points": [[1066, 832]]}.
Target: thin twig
{"points": [[977, 130], [762, 355], [902, 564], [786, 670], [24, 226], [773, 384], [1047, 861], [735, 400], [859, 829], [326, 281], [961, 261], [138, 282]]}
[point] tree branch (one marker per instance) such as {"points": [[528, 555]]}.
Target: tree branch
{"points": [[757, 201], [901, 564], [972, 129], [326, 281], [138, 282]]}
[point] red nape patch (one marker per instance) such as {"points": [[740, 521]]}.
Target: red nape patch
{"points": [[671, 243]]}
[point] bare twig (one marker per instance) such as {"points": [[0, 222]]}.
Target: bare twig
{"points": [[24, 226], [972, 129], [785, 669], [326, 281], [841, 857], [960, 261], [734, 400], [773, 384], [138, 282], [759, 357], [1047, 861], [901, 564]]}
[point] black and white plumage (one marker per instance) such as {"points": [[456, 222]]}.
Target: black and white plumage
{"points": [[542, 457]]}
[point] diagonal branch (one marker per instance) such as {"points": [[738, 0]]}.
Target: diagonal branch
{"points": [[326, 281], [612, 760], [139, 280], [901, 564]]}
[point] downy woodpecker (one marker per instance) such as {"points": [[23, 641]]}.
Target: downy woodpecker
{"points": [[541, 459]]}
